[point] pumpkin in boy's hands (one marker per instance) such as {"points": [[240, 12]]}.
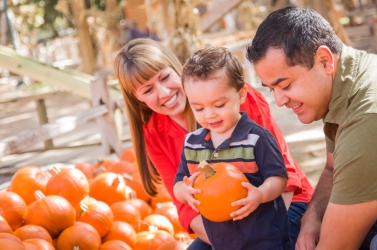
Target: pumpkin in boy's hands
{"points": [[220, 185]]}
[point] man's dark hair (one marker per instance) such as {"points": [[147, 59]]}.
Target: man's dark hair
{"points": [[296, 30]]}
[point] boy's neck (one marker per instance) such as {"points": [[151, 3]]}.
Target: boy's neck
{"points": [[217, 138]]}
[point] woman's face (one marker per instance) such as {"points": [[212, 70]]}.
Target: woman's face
{"points": [[163, 93]]}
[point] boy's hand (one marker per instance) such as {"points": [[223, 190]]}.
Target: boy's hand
{"points": [[188, 190], [249, 203]]}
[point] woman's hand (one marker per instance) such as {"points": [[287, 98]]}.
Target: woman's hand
{"points": [[249, 203]]}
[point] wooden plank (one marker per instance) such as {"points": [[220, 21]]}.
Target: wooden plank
{"points": [[30, 97], [106, 123], [67, 80], [217, 12], [26, 139]]}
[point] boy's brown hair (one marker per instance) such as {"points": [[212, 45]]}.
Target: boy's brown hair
{"points": [[208, 62]]}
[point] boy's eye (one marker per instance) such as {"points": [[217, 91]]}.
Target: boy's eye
{"points": [[286, 87]]}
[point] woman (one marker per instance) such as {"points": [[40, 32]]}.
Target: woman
{"points": [[159, 117]]}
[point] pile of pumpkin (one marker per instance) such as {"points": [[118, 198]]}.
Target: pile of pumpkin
{"points": [[91, 206]]}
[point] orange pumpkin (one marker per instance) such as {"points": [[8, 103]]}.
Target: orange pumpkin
{"points": [[40, 243], [121, 231], [128, 155], [162, 196], [144, 208], [9, 241], [32, 232], [5, 228], [69, 183], [124, 211], [29, 246], [151, 240], [108, 187], [31, 177], [10, 244], [122, 167], [173, 245], [13, 209], [169, 210], [220, 185], [79, 236], [105, 163], [86, 168], [160, 221], [115, 244], [98, 215], [134, 181], [53, 212]]}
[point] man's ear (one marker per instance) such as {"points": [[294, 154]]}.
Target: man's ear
{"points": [[243, 94], [324, 56]]}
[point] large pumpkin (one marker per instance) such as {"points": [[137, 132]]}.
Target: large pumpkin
{"points": [[69, 183], [32, 232], [53, 212], [220, 185], [12, 209], [79, 236], [27, 180]]}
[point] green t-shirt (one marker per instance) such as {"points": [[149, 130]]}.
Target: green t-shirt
{"points": [[351, 128]]}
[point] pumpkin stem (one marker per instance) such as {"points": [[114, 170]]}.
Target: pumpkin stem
{"points": [[76, 248], [99, 171], [127, 177], [39, 195], [53, 171], [206, 170]]}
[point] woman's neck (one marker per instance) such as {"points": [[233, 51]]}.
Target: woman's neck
{"points": [[181, 120]]}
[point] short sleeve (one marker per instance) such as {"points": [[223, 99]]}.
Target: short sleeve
{"points": [[355, 161]]}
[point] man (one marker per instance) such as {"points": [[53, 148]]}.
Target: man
{"points": [[297, 55]]}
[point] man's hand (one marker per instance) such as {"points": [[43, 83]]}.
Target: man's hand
{"points": [[309, 235]]}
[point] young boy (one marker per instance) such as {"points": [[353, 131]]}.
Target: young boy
{"points": [[214, 84]]}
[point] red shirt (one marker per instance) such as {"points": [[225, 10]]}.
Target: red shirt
{"points": [[165, 139]]}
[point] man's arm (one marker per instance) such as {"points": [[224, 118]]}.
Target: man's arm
{"points": [[311, 221], [352, 223]]}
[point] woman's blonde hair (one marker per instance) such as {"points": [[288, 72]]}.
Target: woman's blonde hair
{"points": [[138, 61]]}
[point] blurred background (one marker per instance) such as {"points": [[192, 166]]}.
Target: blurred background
{"points": [[51, 52]]}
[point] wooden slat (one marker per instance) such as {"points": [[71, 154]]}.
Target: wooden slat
{"points": [[29, 97], [217, 12], [24, 140], [67, 80]]}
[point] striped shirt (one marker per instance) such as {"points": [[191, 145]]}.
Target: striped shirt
{"points": [[254, 151]]}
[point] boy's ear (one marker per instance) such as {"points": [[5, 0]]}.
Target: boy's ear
{"points": [[243, 94]]}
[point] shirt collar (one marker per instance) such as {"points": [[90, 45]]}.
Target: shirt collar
{"points": [[343, 81], [240, 132]]}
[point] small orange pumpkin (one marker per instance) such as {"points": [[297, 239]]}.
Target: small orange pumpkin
{"points": [[152, 239], [169, 210], [173, 245], [121, 231], [220, 185], [128, 155], [124, 211], [108, 187], [115, 244], [98, 215], [13, 209], [53, 212], [31, 177], [30, 246], [144, 208], [79, 236], [158, 220], [5, 228], [122, 167], [69, 183], [32, 232], [40, 243]]}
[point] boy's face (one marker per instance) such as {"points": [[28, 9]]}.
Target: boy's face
{"points": [[215, 104]]}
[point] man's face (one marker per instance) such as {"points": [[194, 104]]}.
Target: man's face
{"points": [[306, 91]]}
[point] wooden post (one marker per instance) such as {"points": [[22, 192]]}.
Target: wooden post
{"points": [[43, 119], [106, 123]]}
